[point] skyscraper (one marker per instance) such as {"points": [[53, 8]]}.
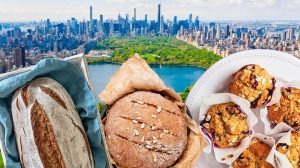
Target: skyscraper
{"points": [[190, 21], [161, 29], [134, 19], [19, 56], [134, 16], [91, 13], [146, 20], [197, 22], [101, 19], [175, 20], [175, 26], [48, 24], [158, 18], [227, 31], [91, 20]]}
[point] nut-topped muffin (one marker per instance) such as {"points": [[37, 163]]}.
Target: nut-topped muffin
{"points": [[226, 124], [292, 152], [145, 129], [254, 156], [288, 108], [253, 83]]}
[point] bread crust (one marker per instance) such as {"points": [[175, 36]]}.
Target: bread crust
{"points": [[144, 129], [48, 128]]}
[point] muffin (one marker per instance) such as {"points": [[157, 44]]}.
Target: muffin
{"points": [[292, 152], [226, 124], [254, 156], [254, 84], [288, 108], [145, 129]]}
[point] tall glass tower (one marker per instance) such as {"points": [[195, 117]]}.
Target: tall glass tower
{"points": [[158, 18], [91, 20]]}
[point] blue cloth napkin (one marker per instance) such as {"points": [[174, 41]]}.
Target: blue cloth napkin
{"points": [[73, 80]]}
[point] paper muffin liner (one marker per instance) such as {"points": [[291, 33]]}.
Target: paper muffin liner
{"points": [[269, 141], [281, 160], [227, 155], [270, 128]]}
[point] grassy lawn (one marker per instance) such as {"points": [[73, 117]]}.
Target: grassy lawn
{"points": [[150, 57]]}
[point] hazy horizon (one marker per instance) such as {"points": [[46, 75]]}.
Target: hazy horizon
{"points": [[207, 10]]}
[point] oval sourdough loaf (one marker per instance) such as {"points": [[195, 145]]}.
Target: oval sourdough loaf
{"points": [[48, 128], [145, 129]]}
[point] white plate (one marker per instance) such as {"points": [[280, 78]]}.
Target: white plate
{"points": [[216, 79]]}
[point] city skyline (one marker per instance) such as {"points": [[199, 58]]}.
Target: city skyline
{"points": [[34, 10], [25, 46]]}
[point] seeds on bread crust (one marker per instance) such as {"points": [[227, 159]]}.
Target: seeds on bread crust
{"points": [[161, 126]]}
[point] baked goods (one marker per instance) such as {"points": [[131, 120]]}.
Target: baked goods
{"points": [[48, 128], [254, 84], [145, 129], [254, 156], [288, 108], [226, 124], [292, 152]]}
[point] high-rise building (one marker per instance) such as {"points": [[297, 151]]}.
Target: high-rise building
{"points": [[74, 26], [218, 32], [48, 24], [161, 25], [19, 56], [101, 19], [91, 20], [91, 13], [190, 21], [158, 18], [298, 37], [145, 20], [227, 31], [291, 34], [134, 19], [134, 14], [197, 23], [175, 20]]}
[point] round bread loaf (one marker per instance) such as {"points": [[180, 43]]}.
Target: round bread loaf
{"points": [[145, 129], [48, 128]]}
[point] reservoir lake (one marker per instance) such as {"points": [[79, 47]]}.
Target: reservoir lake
{"points": [[175, 77]]}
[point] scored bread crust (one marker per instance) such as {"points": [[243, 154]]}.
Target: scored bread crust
{"points": [[145, 129], [48, 128]]}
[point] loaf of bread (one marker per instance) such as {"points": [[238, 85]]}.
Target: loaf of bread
{"points": [[48, 128], [145, 130]]}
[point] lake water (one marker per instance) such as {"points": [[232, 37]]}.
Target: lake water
{"points": [[176, 77]]}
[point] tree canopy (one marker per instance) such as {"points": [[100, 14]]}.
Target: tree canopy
{"points": [[156, 50]]}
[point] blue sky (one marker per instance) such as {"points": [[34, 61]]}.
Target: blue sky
{"points": [[61, 10]]}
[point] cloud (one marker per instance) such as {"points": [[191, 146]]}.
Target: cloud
{"points": [[206, 9], [261, 3], [293, 3]]}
